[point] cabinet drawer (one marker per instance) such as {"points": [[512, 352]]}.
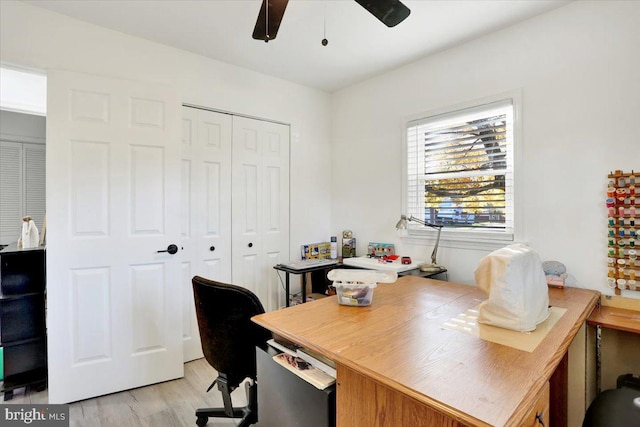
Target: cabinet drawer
{"points": [[538, 416]]}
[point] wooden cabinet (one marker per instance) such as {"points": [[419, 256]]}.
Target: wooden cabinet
{"points": [[538, 416], [22, 319], [366, 402]]}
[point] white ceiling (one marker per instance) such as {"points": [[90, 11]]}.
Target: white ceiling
{"points": [[359, 46]]}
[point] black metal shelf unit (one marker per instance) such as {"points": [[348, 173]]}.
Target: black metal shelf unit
{"points": [[22, 319]]}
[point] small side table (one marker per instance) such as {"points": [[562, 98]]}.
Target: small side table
{"points": [[290, 270]]}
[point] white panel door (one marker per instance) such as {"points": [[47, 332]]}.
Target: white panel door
{"points": [[113, 201], [206, 215], [260, 206]]}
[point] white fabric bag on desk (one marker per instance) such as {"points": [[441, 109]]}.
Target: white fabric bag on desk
{"points": [[518, 294]]}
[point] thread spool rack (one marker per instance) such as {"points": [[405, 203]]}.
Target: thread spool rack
{"points": [[623, 242]]}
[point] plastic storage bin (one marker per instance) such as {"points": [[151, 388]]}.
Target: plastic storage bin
{"points": [[355, 287], [357, 294]]}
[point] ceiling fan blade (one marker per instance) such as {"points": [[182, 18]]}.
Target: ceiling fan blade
{"points": [[389, 12], [267, 24]]}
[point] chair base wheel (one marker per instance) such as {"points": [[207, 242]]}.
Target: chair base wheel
{"points": [[202, 421]]}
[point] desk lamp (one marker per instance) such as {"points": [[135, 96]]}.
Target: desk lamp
{"points": [[428, 268]]}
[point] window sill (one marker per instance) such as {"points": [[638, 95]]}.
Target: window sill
{"points": [[459, 240]]}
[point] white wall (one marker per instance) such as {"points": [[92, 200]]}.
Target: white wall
{"points": [[32, 37], [23, 92], [578, 68]]}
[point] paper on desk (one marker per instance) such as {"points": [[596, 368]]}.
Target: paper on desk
{"points": [[467, 323]]}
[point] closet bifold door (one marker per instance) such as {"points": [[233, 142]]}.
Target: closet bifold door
{"points": [[206, 210], [260, 206]]}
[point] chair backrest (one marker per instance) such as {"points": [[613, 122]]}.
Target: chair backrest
{"points": [[228, 336]]}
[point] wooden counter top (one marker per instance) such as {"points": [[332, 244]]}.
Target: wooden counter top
{"points": [[616, 318], [399, 342]]}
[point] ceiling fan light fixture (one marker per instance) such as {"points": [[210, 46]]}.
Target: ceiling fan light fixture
{"points": [[389, 12], [269, 19]]}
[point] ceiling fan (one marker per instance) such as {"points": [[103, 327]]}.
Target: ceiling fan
{"points": [[389, 12]]}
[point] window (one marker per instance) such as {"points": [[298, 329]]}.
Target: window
{"points": [[460, 170]]}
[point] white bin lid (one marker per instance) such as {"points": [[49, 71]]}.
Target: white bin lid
{"points": [[367, 276]]}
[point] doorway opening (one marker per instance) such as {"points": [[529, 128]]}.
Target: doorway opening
{"points": [[23, 103]]}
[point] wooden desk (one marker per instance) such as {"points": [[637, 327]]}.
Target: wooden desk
{"points": [[398, 367], [612, 318]]}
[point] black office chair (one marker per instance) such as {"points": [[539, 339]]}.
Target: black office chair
{"points": [[229, 339], [619, 407]]}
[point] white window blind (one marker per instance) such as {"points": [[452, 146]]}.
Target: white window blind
{"points": [[22, 187], [11, 191], [460, 169]]}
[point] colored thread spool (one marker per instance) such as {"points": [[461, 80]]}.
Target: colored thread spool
{"points": [[612, 221], [632, 242], [611, 282], [610, 202], [611, 241], [632, 200], [621, 252], [621, 231], [632, 274], [632, 221], [611, 192], [622, 182], [612, 232], [632, 211], [612, 252], [610, 262], [632, 190], [633, 254], [621, 211], [632, 284], [632, 232], [621, 243], [622, 284], [621, 194]]}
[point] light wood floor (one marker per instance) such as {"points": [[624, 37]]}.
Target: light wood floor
{"points": [[168, 404]]}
